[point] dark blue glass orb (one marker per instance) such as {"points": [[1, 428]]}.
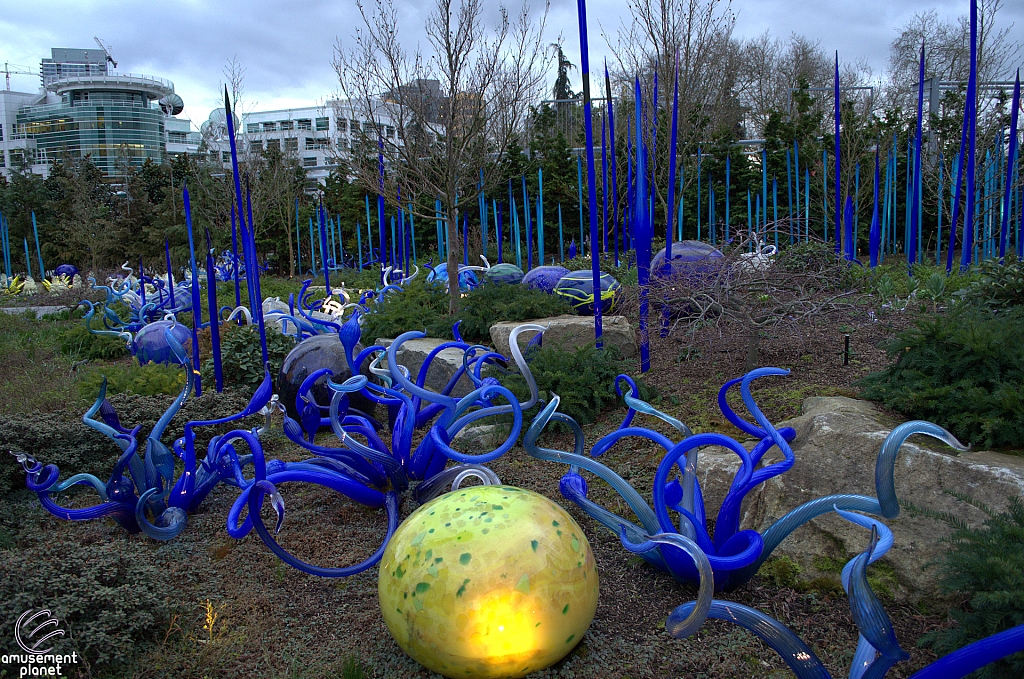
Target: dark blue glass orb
{"points": [[509, 274], [544, 277], [577, 288], [308, 356], [68, 270], [690, 258], [467, 278], [150, 344]]}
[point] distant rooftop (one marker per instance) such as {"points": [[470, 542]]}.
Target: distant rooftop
{"points": [[69, 61]]}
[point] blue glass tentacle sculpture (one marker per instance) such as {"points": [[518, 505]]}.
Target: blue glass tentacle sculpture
{"points": [[734, 554], [877, 649]]}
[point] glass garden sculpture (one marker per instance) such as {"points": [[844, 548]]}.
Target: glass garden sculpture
{"points": [[577, 288], [488, 581], [545, 277], [735, 555], [509, 274], [690, 259], [467, 276], [144, 494]]}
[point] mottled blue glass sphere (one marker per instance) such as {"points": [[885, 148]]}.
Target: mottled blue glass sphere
{"points": [[68, 270], [544, 277], [150, 344], [577, 288], [690, 258], [509, 274], [467, 278]]}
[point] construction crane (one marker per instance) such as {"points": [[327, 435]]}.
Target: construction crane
{"points": [[16, 70], [106, 51]]}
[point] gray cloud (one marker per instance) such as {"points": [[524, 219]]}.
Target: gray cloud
{"points": [[286, 47]]}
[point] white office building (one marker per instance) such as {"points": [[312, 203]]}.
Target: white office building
{"points": [[317, 136]]}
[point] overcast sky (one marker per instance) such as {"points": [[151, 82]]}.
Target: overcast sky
{"points": [[286, 47]]}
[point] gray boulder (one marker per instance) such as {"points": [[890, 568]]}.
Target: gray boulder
{"points": [[413, 353], [570, 332], [480, 439], [836, 446]]}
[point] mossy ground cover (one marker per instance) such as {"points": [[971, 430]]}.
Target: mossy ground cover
{"points": [[210, 606]]}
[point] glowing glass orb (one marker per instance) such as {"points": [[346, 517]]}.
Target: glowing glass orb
{"points": [[488, 582]]}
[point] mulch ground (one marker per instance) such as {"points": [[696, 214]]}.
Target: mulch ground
{"points": [[277, 622]]}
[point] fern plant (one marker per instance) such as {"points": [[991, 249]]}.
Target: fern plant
{"points": [[985, 569]]}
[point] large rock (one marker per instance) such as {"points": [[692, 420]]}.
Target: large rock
{"points": [[570, 332], [443, 367], [836, 446]]}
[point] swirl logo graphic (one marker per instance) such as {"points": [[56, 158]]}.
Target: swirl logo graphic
{"points": [[35, 628]]}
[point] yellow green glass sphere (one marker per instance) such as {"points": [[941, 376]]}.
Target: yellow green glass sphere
{"points": [[488, 582]]}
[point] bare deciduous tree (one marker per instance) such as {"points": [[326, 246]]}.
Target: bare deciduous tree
{"points": [[744, 294], [457, 107]]}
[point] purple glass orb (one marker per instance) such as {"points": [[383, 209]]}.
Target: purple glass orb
{"points": [[467, 277], [68, 270], [544, 277], [689, 258], [308, 356], [510, 274], [577, 288], [150, 344]]}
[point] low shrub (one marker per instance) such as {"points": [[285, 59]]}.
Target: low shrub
{"points": [[984, 568], [998, 286], [107, 594], [488, 304], [963, 370], [424, 306], [53, 439], [242, 358], [76, 341], [420, 306], [584, 379], [151, 379]]}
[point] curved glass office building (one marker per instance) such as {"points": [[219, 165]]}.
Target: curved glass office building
{"points": [[114, 118]]}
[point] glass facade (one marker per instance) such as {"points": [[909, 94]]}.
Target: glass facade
{"points": [[110, 127]]}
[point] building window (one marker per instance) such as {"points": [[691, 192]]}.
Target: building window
{"points": [[225, 156], [269, 127], [322, 125], [310, 143], [252, 128], [305, 124], [176, 137], [309, 161], [274, 144], [291, 144], [3, 162], [1, 132], [342, 125], [256, 144], [287, 125]]}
